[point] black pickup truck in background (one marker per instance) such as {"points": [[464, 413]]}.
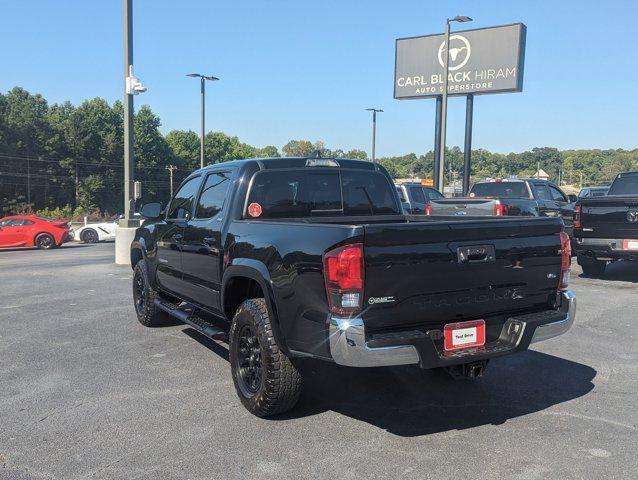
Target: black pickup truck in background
{"points": [[295, 258], [520, 197], [606, 228]]}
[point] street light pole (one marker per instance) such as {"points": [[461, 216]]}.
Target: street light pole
{"points": [[129, 159], [374, 131], [202, 121], [441, 173]]}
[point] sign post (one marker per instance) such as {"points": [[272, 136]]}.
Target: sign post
{"points": [[479, 61], [467, 149]]}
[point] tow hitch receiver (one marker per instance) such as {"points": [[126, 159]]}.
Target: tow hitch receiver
{"points": [[468, 371]]}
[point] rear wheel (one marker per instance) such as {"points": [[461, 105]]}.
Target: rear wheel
{"points": [[266, 381], [44, 241], [90, 236], [591, 266], [144, 296]]}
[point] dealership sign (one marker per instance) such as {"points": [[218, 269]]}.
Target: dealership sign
{"points": [[485, 60]]}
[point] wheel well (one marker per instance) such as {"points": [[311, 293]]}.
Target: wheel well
{"points": [[237, 290], [136, 256]]}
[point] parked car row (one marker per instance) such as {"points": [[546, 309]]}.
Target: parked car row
{"points": [[33, 231]]}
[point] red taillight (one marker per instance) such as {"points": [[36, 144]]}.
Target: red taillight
{"points": [[500, 210], [428, 210], [577, 216], [343, 273], [566, 261]]}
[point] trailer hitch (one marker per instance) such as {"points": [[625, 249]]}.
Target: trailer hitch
{"points": [[467, 371]]}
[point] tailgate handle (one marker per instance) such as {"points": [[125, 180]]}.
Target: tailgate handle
{"points": [[476, 254]]}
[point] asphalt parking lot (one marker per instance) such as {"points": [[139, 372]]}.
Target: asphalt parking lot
{"points": [[87, 392]]}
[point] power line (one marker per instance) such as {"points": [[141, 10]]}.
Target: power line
{"points": [[71, 160]]}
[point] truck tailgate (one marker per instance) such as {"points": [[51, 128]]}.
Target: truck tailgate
{"points": [[432, 272], [607, 217], [471, 207]]}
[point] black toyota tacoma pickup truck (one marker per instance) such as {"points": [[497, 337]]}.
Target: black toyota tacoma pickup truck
{"points": [[606, 228], [296, 258], [519, 197]]}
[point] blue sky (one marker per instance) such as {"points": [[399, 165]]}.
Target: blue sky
{"points": [[308, 69]]}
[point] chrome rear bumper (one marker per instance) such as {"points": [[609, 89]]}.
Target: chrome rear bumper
{"points": [[554, 329], [348, 345]]}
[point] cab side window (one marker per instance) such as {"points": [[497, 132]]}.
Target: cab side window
{"points": [[417, 194], [182, 205], [211, 200], [557, 195], [541, 191]]}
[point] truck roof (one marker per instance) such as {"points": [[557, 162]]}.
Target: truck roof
{"points": [[296, 162]]}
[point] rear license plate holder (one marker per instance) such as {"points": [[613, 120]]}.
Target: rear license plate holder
{"points": [[464, 335]]}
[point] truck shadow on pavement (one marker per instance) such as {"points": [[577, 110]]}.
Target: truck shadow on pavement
{"points": [[407, 401]]}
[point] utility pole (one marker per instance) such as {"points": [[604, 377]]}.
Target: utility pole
{"points": [[77, 180], [374, 131], [28, 179], [202, 107], [170, 169]]}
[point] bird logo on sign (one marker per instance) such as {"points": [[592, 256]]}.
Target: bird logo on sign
{"points": [[460, 52]]}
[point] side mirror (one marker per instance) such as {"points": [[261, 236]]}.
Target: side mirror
{"points": [[151, 211], [572, 198]]}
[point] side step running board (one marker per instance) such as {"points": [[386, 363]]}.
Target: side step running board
{"points": [[190, 318]]}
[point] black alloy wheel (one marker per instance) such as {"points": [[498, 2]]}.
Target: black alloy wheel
{"points": [[44, 241], [90, 236], [249, 361], [139, 293]]}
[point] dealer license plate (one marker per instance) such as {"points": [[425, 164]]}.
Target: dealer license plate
{"points": [[464, 334]]}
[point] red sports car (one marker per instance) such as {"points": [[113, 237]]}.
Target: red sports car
{"points": [[32, 231]]}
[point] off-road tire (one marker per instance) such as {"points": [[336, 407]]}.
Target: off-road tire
{"points": [[591, 266], [280, 381], [44, 241], [147, 312]]}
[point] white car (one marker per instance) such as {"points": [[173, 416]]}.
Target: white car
{"points": [[96, 232]]}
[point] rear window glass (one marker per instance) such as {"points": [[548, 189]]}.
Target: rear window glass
{"points": [[500, 189], [417, 194], [625, 185], [308, 193]]}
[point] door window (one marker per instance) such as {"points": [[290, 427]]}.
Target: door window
{"points": [[541, 191], [557, 195], [12, 222], [211, 200], [417, 194], [432, 194], [182, 203]]}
